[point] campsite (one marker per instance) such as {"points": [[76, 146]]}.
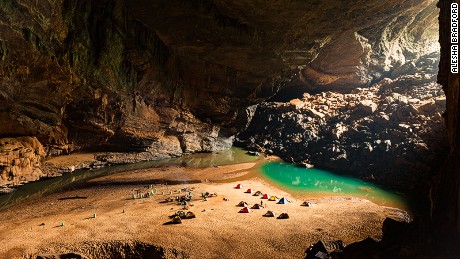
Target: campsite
{"points": [[281, 227]]}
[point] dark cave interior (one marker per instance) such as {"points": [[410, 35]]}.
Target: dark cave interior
{"points": [[360, 86]]}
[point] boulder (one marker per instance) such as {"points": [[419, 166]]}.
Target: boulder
{"points": [[362, 249], [440, 101], [316, 113], [367, 106]]}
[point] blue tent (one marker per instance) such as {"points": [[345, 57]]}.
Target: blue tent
{"points": [[283, 201]]}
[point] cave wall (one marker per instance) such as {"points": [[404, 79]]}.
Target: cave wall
{"points": [[86, 72], [362, 57], [317, 45], [86, 75], [166, 78], [446, 187]]}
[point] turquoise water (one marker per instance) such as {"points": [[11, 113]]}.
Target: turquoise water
{"points": [[303, 181], [298, 181]]}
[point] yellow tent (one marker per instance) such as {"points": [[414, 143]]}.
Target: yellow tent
{"points": [[176, 220], [272, 198]]}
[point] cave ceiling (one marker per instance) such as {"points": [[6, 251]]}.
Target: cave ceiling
{"points": [[280, 38]]}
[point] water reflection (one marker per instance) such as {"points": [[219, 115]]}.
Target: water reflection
{"points": [[302, 180], [46, 186]]}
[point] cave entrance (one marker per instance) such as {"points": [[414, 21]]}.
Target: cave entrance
{"points": [[365, 106]]}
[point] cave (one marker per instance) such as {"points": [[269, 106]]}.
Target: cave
{"points": [[95, 93]]}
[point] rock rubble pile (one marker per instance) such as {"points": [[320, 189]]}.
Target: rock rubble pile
{"points": [[384, 133]]}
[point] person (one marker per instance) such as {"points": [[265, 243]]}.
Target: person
{"points": [[261, 203]]}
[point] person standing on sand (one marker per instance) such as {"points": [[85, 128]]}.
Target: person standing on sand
{"points": [[261, 203]]}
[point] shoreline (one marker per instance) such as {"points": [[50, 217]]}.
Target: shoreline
{"points": [[244, 171], [217, 225]]}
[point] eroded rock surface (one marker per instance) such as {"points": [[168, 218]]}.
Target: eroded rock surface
{"points": [[390, 133], [20, 160], [164, 78]]}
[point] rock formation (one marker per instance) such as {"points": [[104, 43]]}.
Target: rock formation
{"points": [[390, 133], [20, 157], [438, 235], [165, 78]]}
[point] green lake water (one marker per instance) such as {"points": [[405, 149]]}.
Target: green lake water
{"points": [[317, 182], [300, 182]]}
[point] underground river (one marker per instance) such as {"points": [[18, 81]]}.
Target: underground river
{"points": [[298, 181]]}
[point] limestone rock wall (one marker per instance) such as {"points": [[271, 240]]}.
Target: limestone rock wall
{"points": [[171, 77], [86, 75], [392, 133], [20, 160], [360, 58]]}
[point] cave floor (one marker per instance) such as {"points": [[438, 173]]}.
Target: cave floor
{"points": [[34, 227]]}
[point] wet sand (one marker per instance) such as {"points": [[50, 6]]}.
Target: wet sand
{"points": [[218, 231]]}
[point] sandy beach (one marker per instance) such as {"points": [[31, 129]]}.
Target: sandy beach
{"points": [[34, 228]]}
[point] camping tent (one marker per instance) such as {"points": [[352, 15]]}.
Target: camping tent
{"points": [[181, 214], [258, 193], [265, 196], [257, 206], [190, 215], [272, 198], [239, 186], [176, 220], [269, 214], [283, 201], [306, 204], [249, 191], [283, 216], [242, 204], [245, 210]]}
